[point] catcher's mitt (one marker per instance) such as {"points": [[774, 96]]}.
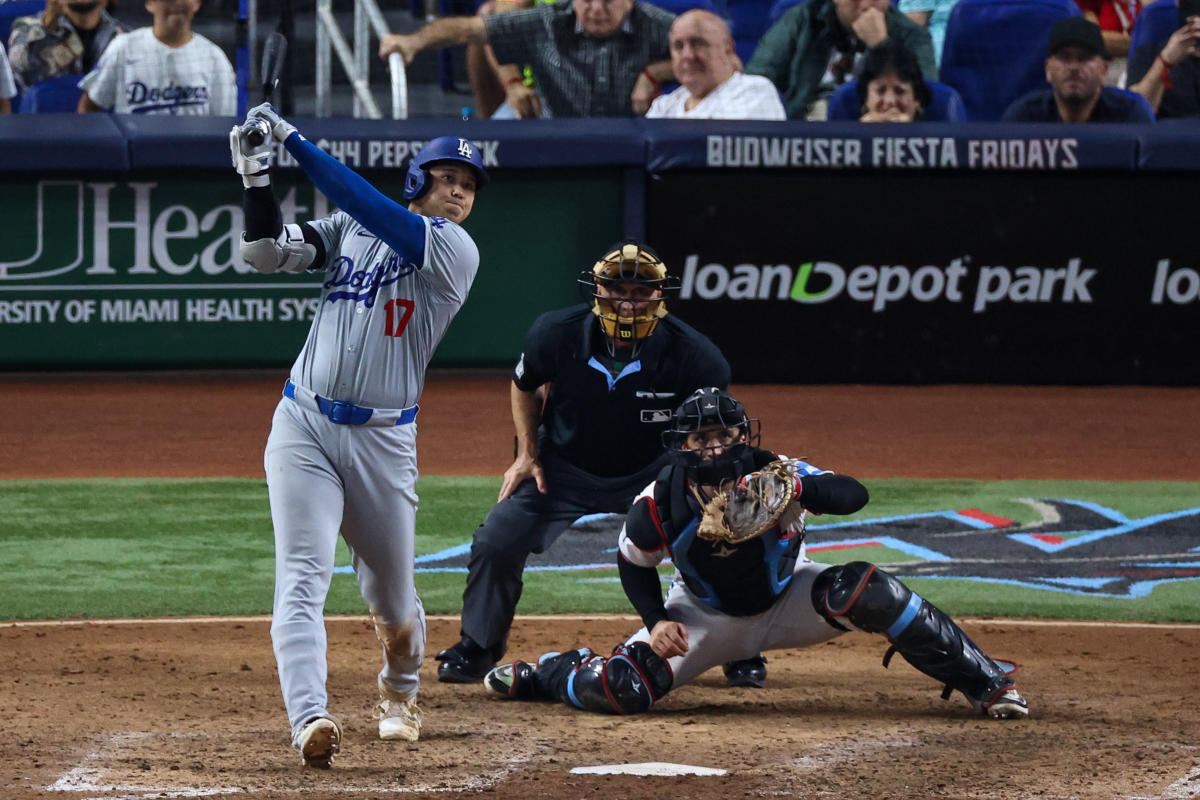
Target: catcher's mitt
{"points": [[752, 507]]}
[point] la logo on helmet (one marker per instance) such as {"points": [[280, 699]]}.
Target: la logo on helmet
{"points": [[464, 148]]}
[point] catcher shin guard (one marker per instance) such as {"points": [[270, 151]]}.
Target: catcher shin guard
{"points": [[627, 682], [874, 601]]}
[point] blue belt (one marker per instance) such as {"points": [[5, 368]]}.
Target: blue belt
{"points": [[343, 413]]}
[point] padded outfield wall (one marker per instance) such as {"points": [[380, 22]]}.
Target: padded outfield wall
{"points": [[808, 252]]}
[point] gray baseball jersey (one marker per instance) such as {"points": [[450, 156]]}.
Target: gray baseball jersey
{"points": [[380, 316], [138, 74]]}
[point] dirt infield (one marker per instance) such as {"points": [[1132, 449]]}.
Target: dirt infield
{"points": [[192, 708]]}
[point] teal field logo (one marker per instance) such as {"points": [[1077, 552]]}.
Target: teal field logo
{"points": [[1076, 548]]}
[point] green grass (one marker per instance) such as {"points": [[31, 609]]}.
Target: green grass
{"points": [[142, 547]]}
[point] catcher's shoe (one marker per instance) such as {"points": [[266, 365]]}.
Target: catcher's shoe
{"points": [[399, 719], [465, 662], [514, 681], [1006, 704], [318, 740], [750, 672]]}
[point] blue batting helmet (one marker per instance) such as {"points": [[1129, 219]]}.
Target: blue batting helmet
{"points": [[443, 148]]}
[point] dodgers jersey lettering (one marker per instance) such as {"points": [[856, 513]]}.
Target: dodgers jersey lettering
{"points": [[381, 315], [138, 74]]}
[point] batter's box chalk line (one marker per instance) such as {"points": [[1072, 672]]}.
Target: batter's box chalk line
{"points": [[650, 768], [93, 780]]}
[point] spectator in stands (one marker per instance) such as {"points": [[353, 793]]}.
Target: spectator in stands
{"points": [[1076, 63], [590, 58], [933, 15], [66, 39], [166, 68], [891, 87], [1170, 78], [8, 86], [490, 79], [712, 85], [818, 45], [1115, 18]]}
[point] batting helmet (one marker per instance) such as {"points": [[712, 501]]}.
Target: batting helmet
{"points": [[710, 410], [441, 149], [628, 262]]}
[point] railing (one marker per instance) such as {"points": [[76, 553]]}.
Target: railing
{"points": [[356, 62]]}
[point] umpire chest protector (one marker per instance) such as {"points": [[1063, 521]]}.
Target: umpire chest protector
{"points": [[739, 580]]}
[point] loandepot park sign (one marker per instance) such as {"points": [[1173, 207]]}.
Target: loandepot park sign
{"points": [[959, 281]]}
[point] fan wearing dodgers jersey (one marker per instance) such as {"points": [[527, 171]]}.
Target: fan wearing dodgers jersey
{"points": [[164, 69], [342, 454]]}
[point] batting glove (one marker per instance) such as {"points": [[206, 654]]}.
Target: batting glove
{"points": [[281, 129], [253, 162]]}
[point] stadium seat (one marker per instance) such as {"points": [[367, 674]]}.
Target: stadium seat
{"points": [[747, 22], [11, 9], [1139, 99], [55, 94], [995, 50], [779, 9], [945, 105], [1154, 25], [680, 6]]}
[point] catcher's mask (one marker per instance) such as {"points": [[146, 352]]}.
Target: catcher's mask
{"points": [[712, 438], [629, 277]]}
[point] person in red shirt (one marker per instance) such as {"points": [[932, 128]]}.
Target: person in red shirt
{"points": [[1115, 18]]}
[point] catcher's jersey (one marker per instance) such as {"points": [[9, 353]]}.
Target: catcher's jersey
{"points": [[381, 315], [138, 74], [739, 580]]}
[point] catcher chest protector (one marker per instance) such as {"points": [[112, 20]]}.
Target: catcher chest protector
{"points": [[627, 682], [874, 601]]}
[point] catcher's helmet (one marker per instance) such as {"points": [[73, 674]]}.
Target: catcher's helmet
{"points": [[627, 262], [443, 148], [711, 410]]}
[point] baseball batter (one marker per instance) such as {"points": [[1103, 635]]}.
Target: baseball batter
{"points": [[342, 454], [164, 69], [732, 600]]}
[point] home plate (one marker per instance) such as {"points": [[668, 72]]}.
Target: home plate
{"points": [[650, 768]]}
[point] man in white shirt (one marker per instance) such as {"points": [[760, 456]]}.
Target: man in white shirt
{"points": [[8, 85], [712, 85], [163, 69]]}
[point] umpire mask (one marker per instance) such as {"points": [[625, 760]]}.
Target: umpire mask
{"points": [[626, 288]]}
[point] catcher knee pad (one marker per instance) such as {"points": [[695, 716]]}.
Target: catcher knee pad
{"points": [[627, 682], [865, 596]]}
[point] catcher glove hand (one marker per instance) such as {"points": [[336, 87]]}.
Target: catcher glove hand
{"points": [[253, 162], [281, 129], [752, 507]]}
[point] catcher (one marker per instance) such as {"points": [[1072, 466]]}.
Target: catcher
{"points": [[731, 518]]}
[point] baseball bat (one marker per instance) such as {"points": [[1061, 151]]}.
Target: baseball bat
{"points": [[274, 52]]}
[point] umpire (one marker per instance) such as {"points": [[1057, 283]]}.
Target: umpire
{"points": [[591, 395]]}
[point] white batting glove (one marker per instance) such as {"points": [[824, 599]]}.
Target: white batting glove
{"points": [[253, 162], [281, 129]]}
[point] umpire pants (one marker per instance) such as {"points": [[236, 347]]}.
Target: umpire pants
{"points": [[529, 522]]}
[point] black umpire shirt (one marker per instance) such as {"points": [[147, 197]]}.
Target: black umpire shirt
{"points": [[611, 425]]}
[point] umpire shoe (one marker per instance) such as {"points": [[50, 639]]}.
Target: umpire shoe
{"points": [[465, 662], [318, 740], [747, 672]]}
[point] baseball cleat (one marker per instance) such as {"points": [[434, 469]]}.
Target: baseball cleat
{"points": [[318, 741], [399, 719], [751, 672], [1008, 704]]}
